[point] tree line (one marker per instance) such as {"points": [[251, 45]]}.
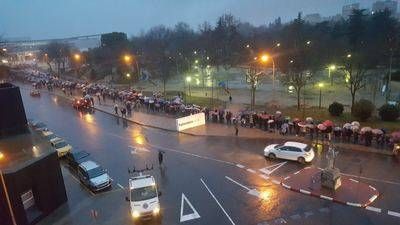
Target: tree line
{"points": [[361, 46]]}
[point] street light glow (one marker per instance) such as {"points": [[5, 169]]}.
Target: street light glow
{"points": [[4, 49], [188, 79], [195, 52], [127, 58], [247, 46], [291, 61], [76, 56], [308, 42], [332, 67], [196, 61], [348, 55], [128, 75], [320, 85], [264, 58], [278, 45], [1, 156]]}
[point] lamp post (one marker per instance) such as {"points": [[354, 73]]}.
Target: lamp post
{"points": [[265, 58], [4, 186], [320, 85], [330, 69], [188, 80], [77, 58]]}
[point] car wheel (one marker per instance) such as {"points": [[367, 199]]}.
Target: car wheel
{"points": [[301, 160], [271, 156]]}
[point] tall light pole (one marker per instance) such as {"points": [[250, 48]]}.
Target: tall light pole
{"points": [[77, 58], [320, 85], [188, 80], [330, 69], [4, 186], [264, 59]]}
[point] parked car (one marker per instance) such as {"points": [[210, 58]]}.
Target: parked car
{"points": [[93, 176], [39, 126], [61, 146], [49, 135], [290, 150], [75, 158]]}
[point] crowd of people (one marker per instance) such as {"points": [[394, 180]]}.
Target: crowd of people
{"points": [[126, 101]]}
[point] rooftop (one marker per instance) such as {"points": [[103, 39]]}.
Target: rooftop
{"points": [[22, 150]]}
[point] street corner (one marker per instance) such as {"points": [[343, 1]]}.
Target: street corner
{"points": [[351, 192]]}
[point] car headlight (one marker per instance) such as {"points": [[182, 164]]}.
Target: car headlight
{"points": [[156, 210], [135, 214]]}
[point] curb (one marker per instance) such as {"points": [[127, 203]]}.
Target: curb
{"points": [[324, 197]]}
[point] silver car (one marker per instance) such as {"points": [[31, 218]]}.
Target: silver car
{"points": [[93, 176]]}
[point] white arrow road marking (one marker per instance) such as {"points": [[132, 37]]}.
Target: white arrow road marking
{"points": [[136, 150], [192, 216], [253, 192], [216, 200], [270, 169]]}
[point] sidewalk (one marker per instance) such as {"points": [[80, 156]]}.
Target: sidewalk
{"points": [[168, 123]]}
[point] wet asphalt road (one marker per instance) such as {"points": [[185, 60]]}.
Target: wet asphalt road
{"points": [[202, 169]]}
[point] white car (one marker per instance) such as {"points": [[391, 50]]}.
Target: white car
{"points": [[61, 146], [143, 197], [290, 150], [93, 176]]}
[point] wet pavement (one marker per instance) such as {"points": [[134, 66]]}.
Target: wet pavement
{"points": [[225, 179]]}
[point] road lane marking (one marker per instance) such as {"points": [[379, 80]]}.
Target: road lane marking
{"points": [[264, 177], [191, 154], [119, 185], [251, 170], [371, 179], [241, 185], [240, 166], [191, 216], [216, 200], [272, 168], [353, 180], [276, 182], [286, 186], [393, 213], [374, 209], [353, 204]]}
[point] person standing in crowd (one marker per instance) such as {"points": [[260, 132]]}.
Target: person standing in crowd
{"points": [[92, 100], [230, 98], [98, 98], [160, 157], [123, 112], [236, 129], [116, 109]]}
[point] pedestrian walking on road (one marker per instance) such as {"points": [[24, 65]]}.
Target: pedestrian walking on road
{"points": [[116, 109], [236, 129], [160, 157]]}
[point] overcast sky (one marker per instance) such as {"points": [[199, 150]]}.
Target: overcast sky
{"points": [[65, 18]]}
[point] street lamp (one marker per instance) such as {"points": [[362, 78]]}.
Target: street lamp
{"points": [[265, 58], [4, 49], [320, 85], [348, 56], [188, 80], [127, 59], [77, 57], [308, 42], [330, 69]]}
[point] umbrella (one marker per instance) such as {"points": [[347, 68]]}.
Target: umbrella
{"points": [[311, 126], [302, 124], [321, 126], [278, 112], [355, 128], [347, 126], [296, 120], [270, 121], [337, 129], [355, 123], [366, 129], [309, 119], [377, 131], [328, 123]]}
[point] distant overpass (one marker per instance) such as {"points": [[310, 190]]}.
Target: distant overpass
{"points": [[81, 42]]}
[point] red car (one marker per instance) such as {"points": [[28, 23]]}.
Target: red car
{"points": [[81, 103]]}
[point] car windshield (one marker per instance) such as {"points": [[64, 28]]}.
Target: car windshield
{"points": [[80, 155], [95, 172], [278, 146], [51, 136], [143, 193], [60, 144]]}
